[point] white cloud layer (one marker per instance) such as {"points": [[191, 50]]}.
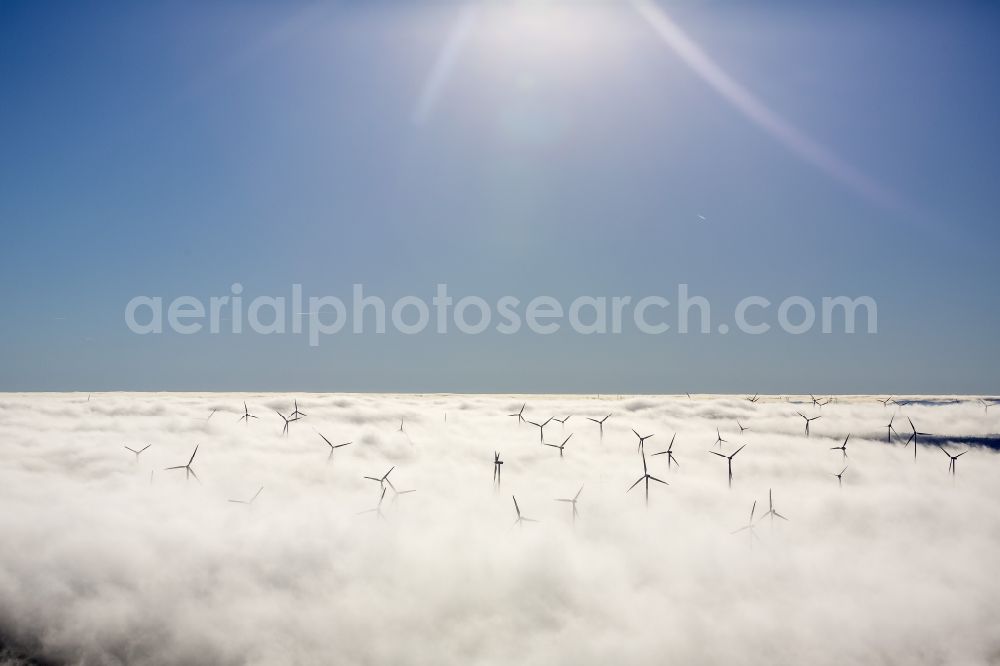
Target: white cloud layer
{"points": [[102, 564]]}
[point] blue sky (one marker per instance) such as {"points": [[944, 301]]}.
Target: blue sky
{"points": [[173, 149]]}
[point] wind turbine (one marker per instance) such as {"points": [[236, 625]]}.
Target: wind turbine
{"points": [[137, 452], [496, 468], [246, 414], [378, 508], [842, 448], [670, 453], [986, 406], [297, 414], [562, 421], [771, 511], [520, 414], [718, 438], [559, 446], [521, 519], [754, 399], [284, 430], [913, 437], [953, 458], [573, 503], [397, 493], [384, 479], [647, 477], [541, 428], [749, 525], [808, 420], [840, 478], [741, 426], [401, 418], [331, 445], [211, 415], [729, 458], [600, 423], [250, 501], [642, 440], [885, 403], [188, 470], [890, 430]]}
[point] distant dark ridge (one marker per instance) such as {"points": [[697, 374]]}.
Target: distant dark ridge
{"points": [[12, 657], [988, 441], [936, 403], [985, 441]]}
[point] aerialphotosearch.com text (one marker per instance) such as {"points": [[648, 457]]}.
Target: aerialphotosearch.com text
{"points": [[320, 316]]}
